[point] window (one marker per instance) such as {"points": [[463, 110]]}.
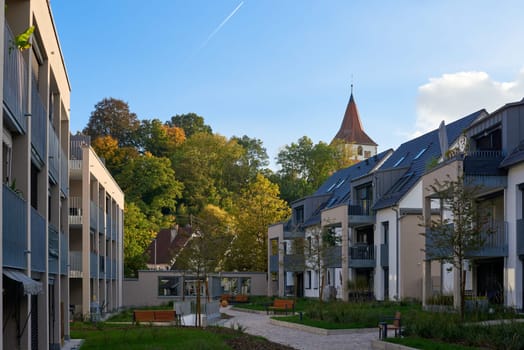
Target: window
{"points": [[7, 166], [309, 245], [274, 247], [399, 161], [308, 279], [421, 152], [274, 276], [299, 215], [367, 154], [359, 150], [168, 285], [385, 232]]}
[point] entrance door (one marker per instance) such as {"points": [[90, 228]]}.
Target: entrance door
{"points": [[300, 284], [490, 280]]}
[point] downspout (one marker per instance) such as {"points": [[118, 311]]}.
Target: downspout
{"points": [[395, 209]]}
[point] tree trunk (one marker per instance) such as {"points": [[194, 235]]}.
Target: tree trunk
{"points": [[207, 291], [198, 319], [462, 283], [321, 292]]}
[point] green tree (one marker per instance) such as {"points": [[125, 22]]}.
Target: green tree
{"points": [[150, 183], [207, 164], [116, 158], [192, 124], [138, 233], [257, 207], [160, 139], [305, 166], [461, 228], [112, 117]]}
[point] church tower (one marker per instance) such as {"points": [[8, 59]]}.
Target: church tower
{"points": [[352, 136]]}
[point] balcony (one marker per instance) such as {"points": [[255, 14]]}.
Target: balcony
{"points": [[360, 213], [75, 264], [101, 225], [64, 249], [362, 256], [15, 84], [495, 243], [75, 211], [109, 227], [53, 249], [482, 168], [38, 242], [384, 255], [54, 153], [109, 269], [294, 262], [14, 231], [38, 122], [273, 263], [332, 256]]}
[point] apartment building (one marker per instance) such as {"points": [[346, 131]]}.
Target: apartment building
{"points": [[490, 155], [96, 218], [35, 153]]}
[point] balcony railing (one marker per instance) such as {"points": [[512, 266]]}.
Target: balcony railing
{"points": [[294, 262], [109, 268], [38, 243], [53, 249], [14, 235], [332, 256], [362, 255], [54, 152], [64, 253], [109, 227], [360, 212], [64, 173], [15, 82], [495, 242], [38, 122], [75, 264], [75, 210], [101, 224]]}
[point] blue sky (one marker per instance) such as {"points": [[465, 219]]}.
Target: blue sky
{"points": [[279, 70]]}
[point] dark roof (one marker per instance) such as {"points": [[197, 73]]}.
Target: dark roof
{"points": [[339, 185], [351, 130], [168, 243], [414, 155], [516, 156]]}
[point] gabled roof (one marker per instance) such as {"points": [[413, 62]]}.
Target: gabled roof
{"points": [[351, 130], [168, 243], [515, 157], [339, 185], [414, 156]]}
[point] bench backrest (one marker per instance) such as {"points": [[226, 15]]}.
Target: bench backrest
{"points": [[241, 298], [165, 315], [144, 315], [396, 321], [283, 303]]}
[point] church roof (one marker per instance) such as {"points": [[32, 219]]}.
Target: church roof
{"points": [[351, 130]]}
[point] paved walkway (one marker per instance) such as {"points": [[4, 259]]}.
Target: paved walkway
{"points": [[258, 324]]}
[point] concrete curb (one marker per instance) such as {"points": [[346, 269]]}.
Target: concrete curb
{"points": [[319, 331], [260, 312], [384, 345]]}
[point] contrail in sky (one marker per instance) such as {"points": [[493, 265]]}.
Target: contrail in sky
{"points": [[222, 24]]}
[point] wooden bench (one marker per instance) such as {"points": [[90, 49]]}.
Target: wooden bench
{"points": [[384, 326], [150, 316], [240, 298], [283, 305]]}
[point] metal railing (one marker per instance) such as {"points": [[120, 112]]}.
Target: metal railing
{"points": [[93, 214], [64, 253], [360, 208], [38, 243], [64, 173], [75, 264], [93, 265], [101, 223], [14, 235], [15, 81], [38, 121], [75, 210], [362, 252], [54, 153], [54, 249]]}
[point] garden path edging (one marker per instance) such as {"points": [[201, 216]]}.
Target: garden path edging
{"points": [[316, 330]]}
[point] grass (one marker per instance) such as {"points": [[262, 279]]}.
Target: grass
{"points": [[127, 314], [259, 303], [319, 323], [107, 336], [427, 344]]}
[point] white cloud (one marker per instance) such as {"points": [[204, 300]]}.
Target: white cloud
{"points": [[455, 95]]}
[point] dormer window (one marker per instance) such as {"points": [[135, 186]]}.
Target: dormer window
{"points": [[399, 161], [420, 153]]}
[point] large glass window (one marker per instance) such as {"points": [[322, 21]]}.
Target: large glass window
{"points": [[168, 286]]}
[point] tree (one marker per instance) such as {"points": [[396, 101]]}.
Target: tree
{"points": [[112, 117], [116, 158], [138, 233], [305, 166], [192, 124], [461, 228], [257, 207], [150, 183], [160, 139], [255, 158], [208, 165]]}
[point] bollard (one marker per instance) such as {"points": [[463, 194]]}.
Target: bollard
{"points": [[383, 334]]}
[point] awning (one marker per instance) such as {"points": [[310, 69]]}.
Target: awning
{"points": [[30, 285]]}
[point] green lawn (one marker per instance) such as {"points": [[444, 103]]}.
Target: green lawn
{"points": [[321, 324], [115, 337], [427, 344]]}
